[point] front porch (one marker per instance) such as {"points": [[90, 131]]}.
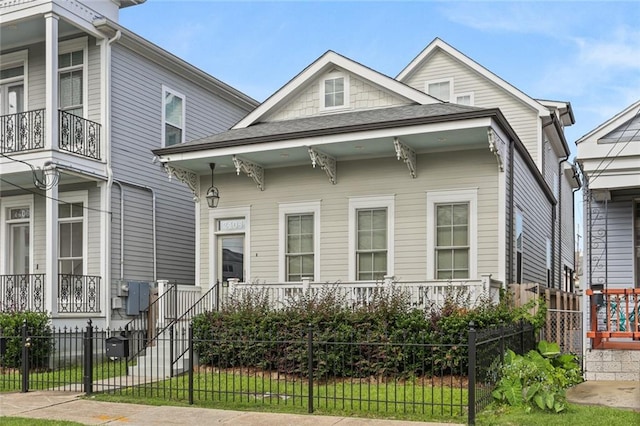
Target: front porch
{"points": [[76, 294], [25, 131]]}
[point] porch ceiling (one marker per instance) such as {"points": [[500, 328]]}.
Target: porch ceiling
{"points": [[274, 155], [30, 30]]}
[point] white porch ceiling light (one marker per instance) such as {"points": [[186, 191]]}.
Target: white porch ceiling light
{"points": [[49, 176], [213, 196]]}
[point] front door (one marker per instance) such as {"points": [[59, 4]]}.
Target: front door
{"points": [[230, 257], [11, 98], [19, 248]]}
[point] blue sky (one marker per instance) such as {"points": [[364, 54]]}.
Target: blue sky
{"points": [[587, 53]]}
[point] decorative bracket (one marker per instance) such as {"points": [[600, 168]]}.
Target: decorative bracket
{"points": [[497, 146], [252, 170], [326, 163], [408, 155], [185, 176]]}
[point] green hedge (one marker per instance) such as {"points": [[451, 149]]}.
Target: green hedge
{"points": [[247, 333], [40, 343]]}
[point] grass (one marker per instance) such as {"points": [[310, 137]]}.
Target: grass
{"points": [[22, 421], [11, 379], [360, 398], [574, 415]]}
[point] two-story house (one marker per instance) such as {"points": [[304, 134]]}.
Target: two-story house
{"points": [[444, 176], [83, 209]]}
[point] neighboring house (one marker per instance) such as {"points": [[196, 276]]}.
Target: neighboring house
{"points": [[609, 157], [482, 194], [86, 101]]}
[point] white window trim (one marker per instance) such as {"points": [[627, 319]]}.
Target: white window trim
{"points": [[6, 204], [76, 44], [347, 98], [232, 212], [366, 202], [442, 80], [10, 60], [76, 197], [470, 94], [452, 196], [285, 209], [518, 211], [165, 90]]}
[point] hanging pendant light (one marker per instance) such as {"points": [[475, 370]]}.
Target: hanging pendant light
{"points": [[213, 195]]}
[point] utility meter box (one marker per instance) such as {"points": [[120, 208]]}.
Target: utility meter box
{"points": [[117, 347]]}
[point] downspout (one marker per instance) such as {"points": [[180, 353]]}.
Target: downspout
{"points": [[153, 225], [107, 151]]}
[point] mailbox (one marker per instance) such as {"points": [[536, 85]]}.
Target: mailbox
{"points": [[117, 347]]}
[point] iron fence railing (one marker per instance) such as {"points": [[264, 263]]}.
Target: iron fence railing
{"points": [[78, 293], [79, 135], [23, 131], [388, 378], [22, 292]]}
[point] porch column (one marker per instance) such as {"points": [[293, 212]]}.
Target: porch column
{"points": [[51, 82], [51, 250]]}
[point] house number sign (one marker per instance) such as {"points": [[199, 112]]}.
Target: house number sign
{"points": [[231, 225], [21, 213]]}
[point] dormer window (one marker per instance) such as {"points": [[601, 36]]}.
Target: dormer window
{"points": [[441, 89], [464, 98], [334, 91]]}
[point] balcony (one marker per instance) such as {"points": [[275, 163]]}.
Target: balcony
{"points": [[78, 294], [25, 131], [24, 292], [615, 318]]}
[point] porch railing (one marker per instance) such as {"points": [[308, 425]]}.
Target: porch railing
{"points": [[79, 135], [419, 293], [23, 131], [615, 318], [78, 294], [22, 292]]}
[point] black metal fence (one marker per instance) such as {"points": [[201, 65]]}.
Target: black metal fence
{"points": [[418, 380]]}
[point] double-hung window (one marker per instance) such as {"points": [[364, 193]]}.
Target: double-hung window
{"points": [[173, 117], [299, 241], [371, 240], [452, 234], [71, 229], [452, 241], [71, 69]]}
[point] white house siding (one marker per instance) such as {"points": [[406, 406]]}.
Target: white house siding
{"points": [[522, 117], [136, 129], [384, 176], [611, 244], [530, 198], [36, 77], [94, 105], [362, 95]]}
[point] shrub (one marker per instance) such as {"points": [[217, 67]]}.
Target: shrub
{"points": [[538, 379], [40, 338], [350, 339]]}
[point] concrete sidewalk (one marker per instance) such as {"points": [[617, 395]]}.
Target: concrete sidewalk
{"points": [[616, 394], [70, 406]]}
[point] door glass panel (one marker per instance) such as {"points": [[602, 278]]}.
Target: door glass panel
{"points": [[19, 235], [231, 257]]}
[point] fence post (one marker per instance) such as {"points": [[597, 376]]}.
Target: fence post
{"points": [[171, 343], [522, 330], [190, 363], [88, 358], [471, 346], [310, 366], [26, 342]]}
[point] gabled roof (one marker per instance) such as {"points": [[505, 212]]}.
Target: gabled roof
{"points": [[323, 64], [613, 123], [319, 125], [437, 44]]}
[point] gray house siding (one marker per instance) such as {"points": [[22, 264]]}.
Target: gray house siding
{"points": [[611, 243], [136, 129], [530, 199]]}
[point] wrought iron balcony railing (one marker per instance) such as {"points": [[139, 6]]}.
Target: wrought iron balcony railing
{"points": [[78, 294], [79, 136], [23, 292], [23, 131]]}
